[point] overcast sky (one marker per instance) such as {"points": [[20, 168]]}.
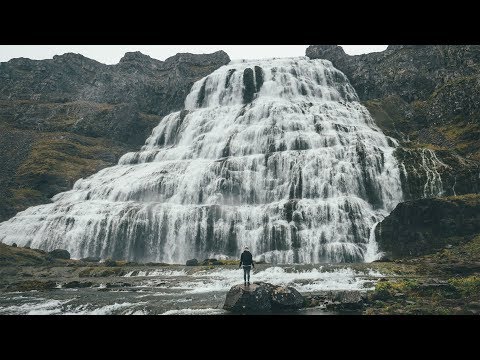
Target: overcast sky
{"points": [[111, 54]]}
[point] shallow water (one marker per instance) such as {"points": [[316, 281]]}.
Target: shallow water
{"points": [[178, 290]]}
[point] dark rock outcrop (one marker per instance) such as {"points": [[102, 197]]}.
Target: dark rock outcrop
{"points": [[110, 263], [192, 262], [208, 262], [77, 285], [153, 86], [424, 226], [426, 96], [248, 85], [60, 254], [411, 72], [68, 117], [261, 297], [21, 256]]}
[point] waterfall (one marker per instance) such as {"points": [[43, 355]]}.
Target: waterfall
{"points": [[419, 171], [275, 154]]}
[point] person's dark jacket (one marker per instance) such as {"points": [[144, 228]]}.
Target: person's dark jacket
{"points": [[246, 259]]}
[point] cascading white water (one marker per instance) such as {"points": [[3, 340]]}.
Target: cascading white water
{"points": [[420, 170], [275, 154]]}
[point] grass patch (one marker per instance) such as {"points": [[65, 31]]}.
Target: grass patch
{"points": [[468, 286], [101, 271]]}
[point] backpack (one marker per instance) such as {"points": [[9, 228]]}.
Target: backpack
{"points": [[247, 258]]}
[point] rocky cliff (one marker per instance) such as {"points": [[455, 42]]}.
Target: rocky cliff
{"points": [[424, 226], [426, 96], [68, 117]]}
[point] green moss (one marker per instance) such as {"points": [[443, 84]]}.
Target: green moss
{"points": [[59, 157], [393, 268], [427, 296], [468, 286], [18, 256], [25, 193], [389, 289], [57, 160], [464, 252]]}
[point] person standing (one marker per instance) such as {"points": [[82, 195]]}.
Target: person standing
{"points": [[246, 260]]}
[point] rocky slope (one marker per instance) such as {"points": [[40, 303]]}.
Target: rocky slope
{"points": [[425, 226], [428, 98], [68, 117]]}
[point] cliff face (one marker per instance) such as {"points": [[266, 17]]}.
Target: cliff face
{"points": [[428, 97], [70, 116], [427, 225]]}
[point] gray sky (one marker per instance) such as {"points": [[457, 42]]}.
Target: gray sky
{"points": [[111, 54]]}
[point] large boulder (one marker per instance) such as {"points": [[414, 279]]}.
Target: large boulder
{"points": [[60, 254], [261, 297], [192, 262], [208, 262], [249, 299]]}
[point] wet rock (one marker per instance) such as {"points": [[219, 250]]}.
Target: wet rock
{"points": [[248, 85], [77, 285], [110, 263], [60, 254], [348, 300], [117, 285], [248, 299], [208, 262], [286, 298], [261, 297], [33, 285], [338, 300], [368, 284], [259, 78], [192, 262]]}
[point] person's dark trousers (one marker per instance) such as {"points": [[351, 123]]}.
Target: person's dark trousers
{"points": [[246, 273]]}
